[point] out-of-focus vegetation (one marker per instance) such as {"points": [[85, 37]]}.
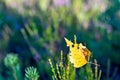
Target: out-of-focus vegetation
{"points": [[33, 30]]}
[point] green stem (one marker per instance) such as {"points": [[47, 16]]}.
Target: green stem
{"points": [[96, 70], [14, 72], [100, 72]]}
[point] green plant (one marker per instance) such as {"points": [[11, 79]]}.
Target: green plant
{"points": [[12, 62], [31, 73], [62, 71], [68, 72], [90, 73], [65, 71]]}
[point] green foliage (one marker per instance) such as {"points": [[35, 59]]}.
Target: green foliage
{"points": [[31, 73], [35, 30], [111, 15], [86, 73], [62, 71], [68, 72], [108, 77], [12, 62]]}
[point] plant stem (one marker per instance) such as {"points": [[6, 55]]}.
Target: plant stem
{"points": [[14, 72]]}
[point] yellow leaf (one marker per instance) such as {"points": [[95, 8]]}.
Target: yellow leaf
{"points": [[79, 55], [69, 43]]}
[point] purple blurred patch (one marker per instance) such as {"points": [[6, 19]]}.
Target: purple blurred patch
{"points": [[37, 57], [59, 3]]}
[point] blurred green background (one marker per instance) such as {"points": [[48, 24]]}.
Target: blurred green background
{"points": [[35, 31]]}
